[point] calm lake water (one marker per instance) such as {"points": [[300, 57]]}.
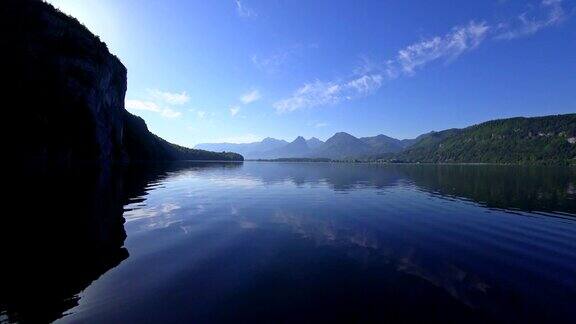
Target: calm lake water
{"points": [[293, 242]]}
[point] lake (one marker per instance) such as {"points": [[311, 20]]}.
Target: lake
{"points": [[293, 242]]}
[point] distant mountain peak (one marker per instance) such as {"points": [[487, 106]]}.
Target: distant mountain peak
{"points": [[299, 141], [314, 142], [382, 136], [342, 134]]}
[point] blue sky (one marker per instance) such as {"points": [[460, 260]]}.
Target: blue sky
{"points": [[242, 70]]}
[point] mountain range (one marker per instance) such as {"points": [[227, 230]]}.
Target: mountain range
{"points": [[338, 147], [548, 139]]}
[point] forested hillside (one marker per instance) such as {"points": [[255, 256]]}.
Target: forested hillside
{"points": [[548, 140]]}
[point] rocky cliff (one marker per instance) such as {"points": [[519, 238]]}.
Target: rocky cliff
{"points": [[67, 92]]}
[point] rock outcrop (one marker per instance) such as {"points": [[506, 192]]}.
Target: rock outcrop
{"points": [[67, 94]]}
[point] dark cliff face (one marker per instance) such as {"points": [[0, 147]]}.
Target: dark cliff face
{"points": [[68, 91], [69, 88]]}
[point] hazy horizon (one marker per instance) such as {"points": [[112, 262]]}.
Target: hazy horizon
{"points": [[343, 131], [240, 71]]}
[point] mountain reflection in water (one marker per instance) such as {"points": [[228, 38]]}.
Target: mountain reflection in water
{"points": [[293, 241]]}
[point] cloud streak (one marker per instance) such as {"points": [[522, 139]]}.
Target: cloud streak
{"points": [[234, 110], [160, 102], [279, 59], [171, 98], [320, 93], [140, 105], [370, 76], [447, 47], [244, 11], [530, 22], [250, 97]]}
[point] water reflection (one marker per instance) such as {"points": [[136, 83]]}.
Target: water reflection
{"points": [[66, 231], [527, 188], [296, 241]]}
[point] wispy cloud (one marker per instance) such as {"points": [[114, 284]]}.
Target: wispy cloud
{"points": [[244, 11], [234, 110], [370, 75], [171, 98], [364, 84], [310, 95], [271, 63], [250, 97], [320, 125], [169, 113], [278, 59], [446, 47], [159, 102], [320, 93], [140, 105], [531, 21]]}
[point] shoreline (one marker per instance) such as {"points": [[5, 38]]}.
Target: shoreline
{"points": [[413, 163]]}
